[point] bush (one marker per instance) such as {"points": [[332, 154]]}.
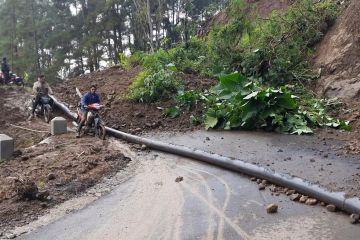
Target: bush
{"points": [[152, 87]]}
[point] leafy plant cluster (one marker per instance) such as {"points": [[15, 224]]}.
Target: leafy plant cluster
{"points": [[240, 102], [157, 81]]}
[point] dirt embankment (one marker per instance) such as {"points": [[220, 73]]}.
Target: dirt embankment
{"points": [[337, 58], [126, 115], [46, 170]]}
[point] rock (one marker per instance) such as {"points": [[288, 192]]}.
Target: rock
{"points": [[303, 199], [51, 176], [24, 158], [10, 236], [311, 201], [17, 153], [258, 181], [43, 205], [289, 192], [264, 182], [143, 147], [295, 197], [253, 179], [139, 115], [280, 150], [42, 195], [179, 179], [207, 139], [272, 208], [331, 208], [262, 186], [312, 160], [354, 218]]}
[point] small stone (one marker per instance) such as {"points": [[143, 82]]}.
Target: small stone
{"points": [[43, 205], [280, 150], [331, 208], [272, 208], [143, 147], [312, 160], [354, 218], [207, 139], [51, 176], [295, 197], [264, 182], [323, 204], [253, 179], [289, 192], [179, 179], [17, 153], [10, 236], [303, 199], [311, 201], [261, 186], [258, 180]]}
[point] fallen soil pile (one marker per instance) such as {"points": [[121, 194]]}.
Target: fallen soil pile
{"points": [[126, 115], [337, 58], [52, 171]]}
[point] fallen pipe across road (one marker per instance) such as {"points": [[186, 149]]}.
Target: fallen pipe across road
{"points": [[350, 205]]}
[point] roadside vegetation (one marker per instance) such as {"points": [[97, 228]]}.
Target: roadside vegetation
{"points": [[263, 67]]}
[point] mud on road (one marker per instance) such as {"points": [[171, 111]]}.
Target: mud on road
{"points": [[46, 170]]}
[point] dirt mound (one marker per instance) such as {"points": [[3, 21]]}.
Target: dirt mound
{"points": [[338, 57], [126, 115], [51, 173]]}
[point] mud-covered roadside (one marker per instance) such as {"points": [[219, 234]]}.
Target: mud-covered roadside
{"points": [[46, 170]]}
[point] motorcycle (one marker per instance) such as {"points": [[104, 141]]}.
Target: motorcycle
{"points": [[93, 123], [18, 81], [45, 107]]}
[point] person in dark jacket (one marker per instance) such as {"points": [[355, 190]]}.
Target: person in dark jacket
{"points": [[5, 69], [89, 98]]}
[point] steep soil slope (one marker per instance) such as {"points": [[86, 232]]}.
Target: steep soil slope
{"points": [[338, 57]]}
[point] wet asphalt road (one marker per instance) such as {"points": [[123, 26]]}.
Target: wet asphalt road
{"points": [[209, 203]]}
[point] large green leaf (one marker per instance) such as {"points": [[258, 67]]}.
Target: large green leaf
{"points": [[210, 122], [232, 81]]}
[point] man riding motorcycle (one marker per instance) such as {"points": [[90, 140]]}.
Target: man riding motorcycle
{"points": [[89, 98], [41, 88]]}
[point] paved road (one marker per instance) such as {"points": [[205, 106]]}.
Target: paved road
{"points": [[210, 203]]}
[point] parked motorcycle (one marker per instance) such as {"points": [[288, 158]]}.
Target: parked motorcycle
{"points": [[93, 124], [17, 81], [44, 108]]}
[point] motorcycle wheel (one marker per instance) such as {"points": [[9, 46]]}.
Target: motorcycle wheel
{"points": [[101, 131], [47, 114]]}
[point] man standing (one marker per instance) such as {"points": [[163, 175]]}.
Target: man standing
{"points": [[5, 69], [40, 88], [89, 98]]}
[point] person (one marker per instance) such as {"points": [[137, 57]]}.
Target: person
{"points": [[5, 69], [89, 98], [41, 88]]}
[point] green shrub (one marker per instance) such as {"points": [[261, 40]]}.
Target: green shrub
{"points": [[152, 87]]}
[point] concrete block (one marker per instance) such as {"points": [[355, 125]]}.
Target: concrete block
{"points": [[58, 126], [6, 147]]}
